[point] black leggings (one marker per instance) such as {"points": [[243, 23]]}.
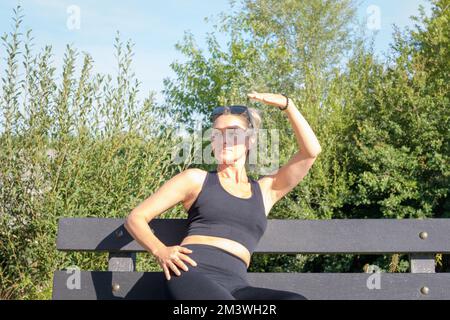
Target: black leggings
{"points": [[219, 275]]}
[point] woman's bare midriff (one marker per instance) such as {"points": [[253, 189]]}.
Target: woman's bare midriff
{"points": [[226, 244]]}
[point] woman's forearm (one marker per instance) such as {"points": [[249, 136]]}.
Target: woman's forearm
{"points": [[141, 232], [305, 136]]}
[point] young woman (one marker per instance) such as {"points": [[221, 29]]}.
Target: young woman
{"points": [[227, 210]]}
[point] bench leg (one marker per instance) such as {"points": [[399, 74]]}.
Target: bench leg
{"points": [[121, 261], [422, 262]]}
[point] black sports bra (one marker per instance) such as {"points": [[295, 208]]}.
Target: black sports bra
{"points": [[216, 212]]}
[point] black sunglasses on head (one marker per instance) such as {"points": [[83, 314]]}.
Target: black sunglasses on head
{"points": [[235, 109]]}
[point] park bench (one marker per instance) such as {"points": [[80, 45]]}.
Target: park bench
{"points": [[421, 239]]}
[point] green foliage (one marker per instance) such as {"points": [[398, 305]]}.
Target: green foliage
{"points": [[86, 146], [400, 128], [82, 146]]}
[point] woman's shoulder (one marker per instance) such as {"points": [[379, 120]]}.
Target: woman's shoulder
{"points": [[196, 176]]}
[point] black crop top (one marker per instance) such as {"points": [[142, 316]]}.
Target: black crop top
{"points": [[216, 212]]}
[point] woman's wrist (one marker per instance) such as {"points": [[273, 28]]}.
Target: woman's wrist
{"points": [[288, 103], [290, 106], [157, 249]]}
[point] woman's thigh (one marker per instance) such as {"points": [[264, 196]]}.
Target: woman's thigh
{"points": [[258, 293], [191, 285]]}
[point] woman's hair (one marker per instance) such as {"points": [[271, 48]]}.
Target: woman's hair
{"points": [[256, 116]]}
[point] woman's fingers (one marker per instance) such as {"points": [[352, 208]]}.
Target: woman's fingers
{"points": [[264, 97], [188, 259], [268, 98], [166, 271], [186, 250], [181, 264], [174, 268], [175, 262]]}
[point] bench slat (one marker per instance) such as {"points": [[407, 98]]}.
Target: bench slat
{"points": [[313, 286], [359, 236]]}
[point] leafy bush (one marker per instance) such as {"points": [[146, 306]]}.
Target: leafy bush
{"points": [[83, 146]]}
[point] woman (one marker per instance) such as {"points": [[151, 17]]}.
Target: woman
{"points": [[227, 210]]}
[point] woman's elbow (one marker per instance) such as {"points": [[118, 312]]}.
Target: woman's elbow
{"points": [[317, 153], [130, 221]]}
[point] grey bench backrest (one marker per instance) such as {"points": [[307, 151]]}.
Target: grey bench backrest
{"points": [[420, 238]]}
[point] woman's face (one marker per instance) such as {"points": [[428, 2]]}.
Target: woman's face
{"points": [[228, 138]]}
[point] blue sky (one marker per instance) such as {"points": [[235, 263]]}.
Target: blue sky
{"points": [[154, 27]]}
